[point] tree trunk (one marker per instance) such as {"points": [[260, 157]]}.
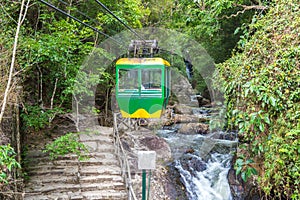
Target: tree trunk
{"points": [[11, 71]]}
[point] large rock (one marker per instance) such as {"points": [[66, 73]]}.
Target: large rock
{"points": [[183, 90], [193, 128], [189, 119], [159, 145], [143, 140]]}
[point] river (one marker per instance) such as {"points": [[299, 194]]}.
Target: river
{"points": [[203, 162]]}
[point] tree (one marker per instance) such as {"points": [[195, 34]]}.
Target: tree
{"points": [[22, 15]]}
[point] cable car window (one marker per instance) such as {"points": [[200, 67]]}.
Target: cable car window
{"points": [[151, 79], [128, 79]]}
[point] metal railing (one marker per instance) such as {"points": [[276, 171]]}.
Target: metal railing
{"points": [[125, 167]]}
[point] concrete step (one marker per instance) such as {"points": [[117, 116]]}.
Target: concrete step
{"points": [[47, 188], [99, 162], [67, 178], [54, 196], [101, 178], [103, 186], [35, 180], [95, 138], [51, 170], [104, 195], [98, 170]]}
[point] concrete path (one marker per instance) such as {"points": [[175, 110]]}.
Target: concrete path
{"points": [[67, 178]]}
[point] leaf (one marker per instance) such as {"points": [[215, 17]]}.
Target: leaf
{"points": [[244, 176], [272, 101], [238, 170], [261, 127], [249, 161], [267, 119], [253, 171]]}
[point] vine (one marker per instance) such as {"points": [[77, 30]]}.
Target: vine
{"points": [[261, 87]]}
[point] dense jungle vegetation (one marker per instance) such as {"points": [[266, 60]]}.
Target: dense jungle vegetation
{"points": [[254, 43]]}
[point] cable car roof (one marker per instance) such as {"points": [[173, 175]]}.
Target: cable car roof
{"points": [[145, 61]]}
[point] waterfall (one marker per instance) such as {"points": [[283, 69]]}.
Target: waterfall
{"points": [[203, 171], [210, 184]]}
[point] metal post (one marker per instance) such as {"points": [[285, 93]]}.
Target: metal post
{"points": [[149, 179], [146, 161], [144, 184]]}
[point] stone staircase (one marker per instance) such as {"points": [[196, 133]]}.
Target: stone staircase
{"points": [[99, 177]]}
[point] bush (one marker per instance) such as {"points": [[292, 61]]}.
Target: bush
{"points": [[66, 144], [7, 163], [261, 87]]}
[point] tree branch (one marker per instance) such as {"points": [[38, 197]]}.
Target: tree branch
{"points": [[245, 8]]}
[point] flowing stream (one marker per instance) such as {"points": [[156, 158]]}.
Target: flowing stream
{"points": [[203, 162]]}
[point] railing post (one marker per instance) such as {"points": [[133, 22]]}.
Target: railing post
{"points": [[144, 176]]}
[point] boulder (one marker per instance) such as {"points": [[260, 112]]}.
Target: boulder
{"points": [[193, 128], [189, 119], [157, 144]]}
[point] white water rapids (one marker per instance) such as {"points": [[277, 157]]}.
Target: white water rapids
{"points": [[204, 175], [210, 184]]}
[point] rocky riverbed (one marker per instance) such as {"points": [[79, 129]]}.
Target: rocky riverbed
{"points": [[184, 143]]}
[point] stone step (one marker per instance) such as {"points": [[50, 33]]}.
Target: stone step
{"points": [[99, 162], [47, 188], [54, 196], [84, 195], [104, 195], [35, 180], [52, 170], [104, 186], [95, 138], [101, 178], [96, 170], [97, 147], [67, 178], [108, 155]]}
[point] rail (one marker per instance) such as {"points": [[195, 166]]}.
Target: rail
{"points": [[126, 173]]}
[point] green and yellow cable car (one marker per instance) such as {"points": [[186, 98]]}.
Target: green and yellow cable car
{"points": [[142, 86]]}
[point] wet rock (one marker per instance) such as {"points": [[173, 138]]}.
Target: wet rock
{"points": [[183, 109], [203, 101], [176, 189], [183, 90], [189, 119], [157, 144], [193, 128], [192, 163]]}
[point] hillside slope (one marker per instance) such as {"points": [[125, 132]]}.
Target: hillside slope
{"points": [[261, 87]]}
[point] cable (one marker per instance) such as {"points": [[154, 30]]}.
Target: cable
{"points": [[78, 11], [74, 18], [128, 27]]}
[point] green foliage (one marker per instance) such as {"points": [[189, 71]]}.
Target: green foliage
{"points": [[7, 162], [244, 168], [54, 59], [36, 118], [282, 164], [65, 145], [131, 12], [261, 87], [211, 23]]}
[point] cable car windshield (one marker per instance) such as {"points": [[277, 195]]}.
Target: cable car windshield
{"points": [[151, 79], [128, 79]]}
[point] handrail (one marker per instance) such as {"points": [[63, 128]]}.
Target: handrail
{"points": [[123, 160]]}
